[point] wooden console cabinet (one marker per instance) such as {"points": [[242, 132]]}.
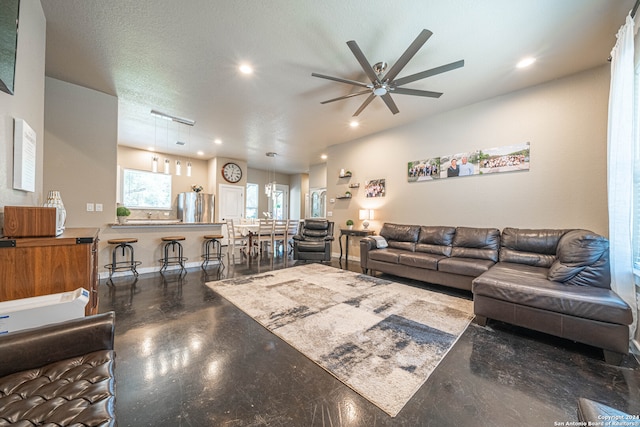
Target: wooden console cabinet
{"points": [[34, 266]]}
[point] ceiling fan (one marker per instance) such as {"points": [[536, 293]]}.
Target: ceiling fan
{"points": [[383, 85]]}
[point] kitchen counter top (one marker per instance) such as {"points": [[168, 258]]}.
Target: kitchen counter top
{"points": [[163, 223]]}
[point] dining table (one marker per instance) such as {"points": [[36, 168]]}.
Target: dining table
{"points": [[248, 230]]}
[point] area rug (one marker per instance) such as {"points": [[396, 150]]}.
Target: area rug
{"points": [[383, 339]]}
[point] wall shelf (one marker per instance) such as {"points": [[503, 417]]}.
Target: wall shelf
{"points": [[354, 185]]}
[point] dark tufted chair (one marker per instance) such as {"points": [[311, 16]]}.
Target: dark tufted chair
{"points": [[313, 241], [59, 374]]}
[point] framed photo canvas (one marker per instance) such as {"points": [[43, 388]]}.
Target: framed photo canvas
{"points": [[24, 156]]}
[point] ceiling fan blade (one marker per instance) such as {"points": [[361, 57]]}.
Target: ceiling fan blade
{"points": [[392, 105], [403, 91], [351, 95], [364, 104], [364, 63], [408, 54], [428, 73], [340, 80]]}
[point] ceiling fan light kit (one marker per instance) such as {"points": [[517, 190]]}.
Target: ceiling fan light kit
{"points": [[382, 84]]}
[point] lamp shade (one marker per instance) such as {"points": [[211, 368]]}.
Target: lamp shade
{"points": [[365, 215]]}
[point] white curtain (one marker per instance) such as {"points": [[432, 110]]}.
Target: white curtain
{"points": [[620, 158]]}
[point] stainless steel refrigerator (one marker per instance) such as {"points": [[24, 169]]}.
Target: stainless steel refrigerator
{"points": [[195, 207]]}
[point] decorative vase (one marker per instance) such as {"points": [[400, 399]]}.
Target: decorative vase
{"points": [[350, 227], [55, 201]]}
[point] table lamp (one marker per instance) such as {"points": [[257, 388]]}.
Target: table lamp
{"points": [[366, 215]]}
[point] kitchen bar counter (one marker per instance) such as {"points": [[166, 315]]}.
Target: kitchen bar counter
{"points": [[148, 248], [163, 223]]}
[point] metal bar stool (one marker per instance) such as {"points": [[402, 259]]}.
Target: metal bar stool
{"points": [[128, 262], [212, 243], [173, 242]]}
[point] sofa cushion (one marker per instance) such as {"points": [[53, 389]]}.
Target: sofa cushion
{"points": [[528, 285], [315, 229], [435, 240], [583, 259], [311, 245], [480, 243], [405, 246], [77, 391], [465, 266], [386, 255], [531, 247], [400, 232], [421, 260]]}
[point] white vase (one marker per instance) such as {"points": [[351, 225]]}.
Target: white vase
{"points": [[55, 201]]}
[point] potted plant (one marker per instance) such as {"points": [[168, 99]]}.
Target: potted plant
{"points": [[347, 194], [349, 224], [122, 213]]}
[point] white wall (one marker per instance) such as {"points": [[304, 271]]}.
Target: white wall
{"points": [[318, 175], [564, 120], [27, 103], [81, 131]]}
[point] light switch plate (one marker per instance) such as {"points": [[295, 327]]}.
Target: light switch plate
{"points": [[329, 213], [98, 207], [89, 207]]}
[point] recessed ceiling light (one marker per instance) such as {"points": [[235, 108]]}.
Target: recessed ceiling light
{"points": [[246, 69], [151, 149], [217, 141], [526, 62], [354, 124], [323, 157], [200, 153]]}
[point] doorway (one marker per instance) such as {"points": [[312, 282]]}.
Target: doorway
{"points": [[231, 202], [280, 202]]}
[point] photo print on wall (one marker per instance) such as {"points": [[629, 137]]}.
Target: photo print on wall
{"points": [[508, 158], [375, 188]]}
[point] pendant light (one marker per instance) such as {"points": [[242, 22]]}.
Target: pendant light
{"points": [[154, 158], [270, 186]]}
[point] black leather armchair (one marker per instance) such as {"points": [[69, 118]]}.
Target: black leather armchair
{"points": [[313, 241], [59, 374]]}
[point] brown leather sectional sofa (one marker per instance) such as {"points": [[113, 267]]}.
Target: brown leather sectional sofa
{"points": [[59, 374], [553, 281]]}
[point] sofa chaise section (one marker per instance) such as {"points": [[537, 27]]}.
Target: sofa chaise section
{"points": [[557, 282]]}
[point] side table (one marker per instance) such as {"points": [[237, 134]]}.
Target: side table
{"points": [[363, 232]]}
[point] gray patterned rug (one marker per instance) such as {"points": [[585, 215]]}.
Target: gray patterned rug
{"points": [[382, 339]]}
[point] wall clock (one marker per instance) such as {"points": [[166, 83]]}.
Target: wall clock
{"points": [[232, 172]]}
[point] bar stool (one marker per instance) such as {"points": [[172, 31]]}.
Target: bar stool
{"points": [[212, 243], [128, 262], [173, 242]]}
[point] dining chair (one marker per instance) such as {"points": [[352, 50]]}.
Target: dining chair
{"points": [[234, 237], [292, 230], [280, 227], [264, 234]]}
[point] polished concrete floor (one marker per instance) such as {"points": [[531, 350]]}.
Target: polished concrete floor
{"points": [[187, 357]]}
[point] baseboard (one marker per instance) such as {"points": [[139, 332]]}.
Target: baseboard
{"points": [[154, 269]]}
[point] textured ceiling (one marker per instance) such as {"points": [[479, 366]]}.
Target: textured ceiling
{"points": [[181, 57]]}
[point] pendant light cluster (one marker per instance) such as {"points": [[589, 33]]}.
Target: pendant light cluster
{"points": [[270, 186], [167, 163]]}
